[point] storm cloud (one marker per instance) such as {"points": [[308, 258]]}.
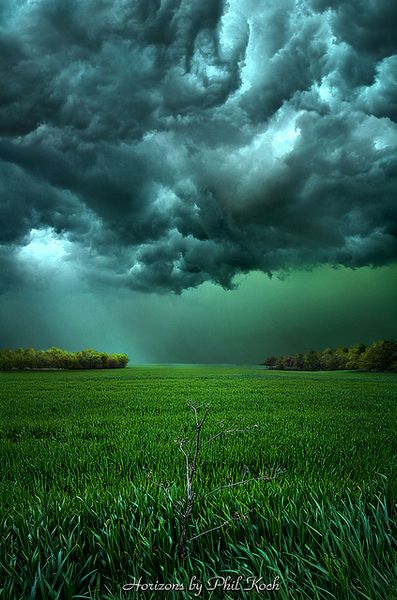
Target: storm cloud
{"points": [[159, 144]]}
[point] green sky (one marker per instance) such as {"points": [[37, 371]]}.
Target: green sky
{"points": [[306, 309], [152, 154]]}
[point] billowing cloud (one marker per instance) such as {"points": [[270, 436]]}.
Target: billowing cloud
{"points": [[172, 142]]}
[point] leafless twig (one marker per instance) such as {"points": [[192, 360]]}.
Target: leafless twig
{"points": [[230, 485], [191, 467], [210, 530]]}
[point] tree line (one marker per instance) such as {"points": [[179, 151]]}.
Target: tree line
{"points": [[379, 356], [55, 358]]}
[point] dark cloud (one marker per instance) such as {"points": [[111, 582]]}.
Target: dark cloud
{"points": [[170, 143]]}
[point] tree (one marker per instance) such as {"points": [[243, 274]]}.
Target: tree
{"points": [[123, 360], [270, 361], [329, 360], [56, 358], [354, 355], [311, 361], [297, 361], [379, 356], [341, 357]]}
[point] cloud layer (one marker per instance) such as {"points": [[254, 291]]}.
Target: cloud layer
{"points": [[165, 143]]}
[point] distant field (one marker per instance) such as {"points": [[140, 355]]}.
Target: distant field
{"points": [[91, 477]]}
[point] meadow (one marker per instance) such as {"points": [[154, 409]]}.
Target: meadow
{"points": [[92, 482]]}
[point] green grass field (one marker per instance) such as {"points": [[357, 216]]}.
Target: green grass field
{"points": [[91, 482]]}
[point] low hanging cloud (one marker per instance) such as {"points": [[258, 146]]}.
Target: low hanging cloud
{"points": [[168, 143]]}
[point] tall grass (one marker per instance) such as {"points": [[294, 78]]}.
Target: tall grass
{"points": [[92, 482]]}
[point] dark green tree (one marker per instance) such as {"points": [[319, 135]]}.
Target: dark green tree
{"points": [[379, 356]]}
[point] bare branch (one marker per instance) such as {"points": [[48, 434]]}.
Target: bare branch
{"points": [[181, 448], [194, 408], [197, 449], [209, 530], [204, 418], [230, 485], [224, 524], [191, 469], [223, 431]]}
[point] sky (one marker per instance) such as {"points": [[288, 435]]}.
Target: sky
{"points": [[191, 181]]}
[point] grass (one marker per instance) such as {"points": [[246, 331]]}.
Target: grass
{"points": [[91, 481]]}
